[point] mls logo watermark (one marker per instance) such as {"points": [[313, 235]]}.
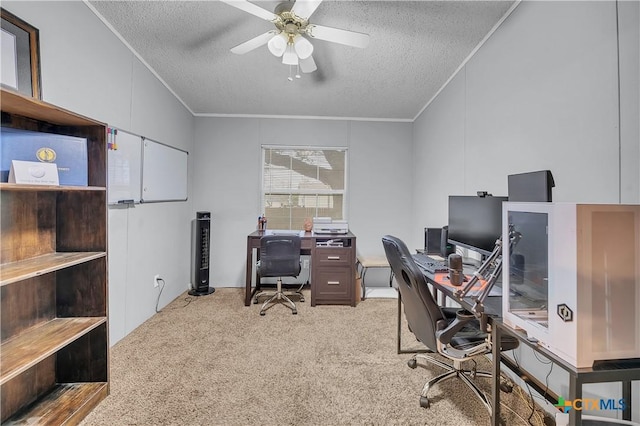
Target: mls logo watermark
{"points": [[590, 404]]}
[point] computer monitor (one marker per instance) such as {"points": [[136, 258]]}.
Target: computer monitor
{"points": [[475, 222], [532, 186]]}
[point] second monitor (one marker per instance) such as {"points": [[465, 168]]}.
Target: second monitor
{"points": [[475, 222], [432, 240]]}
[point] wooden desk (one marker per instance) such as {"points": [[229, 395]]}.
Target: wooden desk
{"points": [[623, 371], [332, 274]]}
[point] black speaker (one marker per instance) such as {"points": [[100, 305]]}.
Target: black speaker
{"points": [[432, 240], [201, 226], [445, 247]]}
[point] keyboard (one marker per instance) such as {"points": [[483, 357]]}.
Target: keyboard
{"points": [[430, 264]]}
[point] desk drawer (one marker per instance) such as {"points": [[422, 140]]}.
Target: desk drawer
{"points": [[333, 256], [333, 286]]}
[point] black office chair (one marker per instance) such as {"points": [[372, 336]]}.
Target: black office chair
{"points": [[451, 332], [279, 257]]}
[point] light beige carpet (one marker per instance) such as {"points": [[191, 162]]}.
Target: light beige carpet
{"points": [[212, 361]]}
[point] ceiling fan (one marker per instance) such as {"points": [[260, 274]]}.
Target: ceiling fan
{"points": [[289, 39]]}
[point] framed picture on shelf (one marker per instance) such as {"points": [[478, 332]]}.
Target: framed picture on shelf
{"points": [[20, 56]]}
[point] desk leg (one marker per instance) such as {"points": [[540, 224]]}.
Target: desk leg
{"points": [[399, 323], [495, 375], [575, 392], [247, 290], [626, 395]]}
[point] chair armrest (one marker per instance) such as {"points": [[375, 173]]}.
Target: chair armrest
{"points": [[463, 317]]}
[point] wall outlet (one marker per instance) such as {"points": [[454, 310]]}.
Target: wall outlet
{"points": [[155, 280], [305, 263]]}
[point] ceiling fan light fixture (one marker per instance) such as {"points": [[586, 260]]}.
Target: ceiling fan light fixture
{"points": [[303, 47], [290, 38], [278, 44], [290, 57]]}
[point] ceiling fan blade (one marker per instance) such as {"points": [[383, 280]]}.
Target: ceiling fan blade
{"points": [[304, 8], [348, 38], [252, 9], [254, 43], [308, 65]]}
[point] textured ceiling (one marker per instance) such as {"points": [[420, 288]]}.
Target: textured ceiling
{"points": [[415, 46]]}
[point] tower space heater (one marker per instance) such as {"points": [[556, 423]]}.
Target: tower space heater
{"points": [[200, 238]]}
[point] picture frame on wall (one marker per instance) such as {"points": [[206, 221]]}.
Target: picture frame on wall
{"points": [[20, 56]]}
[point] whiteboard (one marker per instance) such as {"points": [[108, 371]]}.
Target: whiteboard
{"points": [[164, 172], [124, 168]]}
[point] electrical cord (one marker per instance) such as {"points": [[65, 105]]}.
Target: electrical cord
{"points": [[543, 397], [159, 293], [187, 299], [531, 402], [308, 272], [546, 379], [514, 412]]}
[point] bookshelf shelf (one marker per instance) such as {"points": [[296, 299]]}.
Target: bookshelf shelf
{"points": [[50, 410], [29, 268], [29, 348], [20, 187]]}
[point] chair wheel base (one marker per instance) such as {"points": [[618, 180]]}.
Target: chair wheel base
{"points": [[262, 313], [412, 363], [424, 402], [294, 312]]}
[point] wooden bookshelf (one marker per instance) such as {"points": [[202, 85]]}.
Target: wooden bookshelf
{"points": [[53, 280]]}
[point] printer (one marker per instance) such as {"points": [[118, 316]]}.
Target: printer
{"points": [[326, 225]]}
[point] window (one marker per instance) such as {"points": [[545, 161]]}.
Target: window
{"points": [[302, 182]]}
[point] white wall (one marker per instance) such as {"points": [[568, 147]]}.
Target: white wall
{"points": [[87, 69], [227, 167], [439, 160], [541, 93], [629, 24]]}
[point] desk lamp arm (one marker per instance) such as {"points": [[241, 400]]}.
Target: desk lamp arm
{"points": [[494, 261]]}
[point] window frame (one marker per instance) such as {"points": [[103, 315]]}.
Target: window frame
{"points": [[342, 192]]}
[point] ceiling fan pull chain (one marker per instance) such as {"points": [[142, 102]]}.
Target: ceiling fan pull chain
{"points": [[298, 70], [290, 78]]}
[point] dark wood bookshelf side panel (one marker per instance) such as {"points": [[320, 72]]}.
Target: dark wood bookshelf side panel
{"points": [[82, 221], [28, 387], [27, 304], [85, 359], [28, 225], [97, 153], [81, 291]]}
